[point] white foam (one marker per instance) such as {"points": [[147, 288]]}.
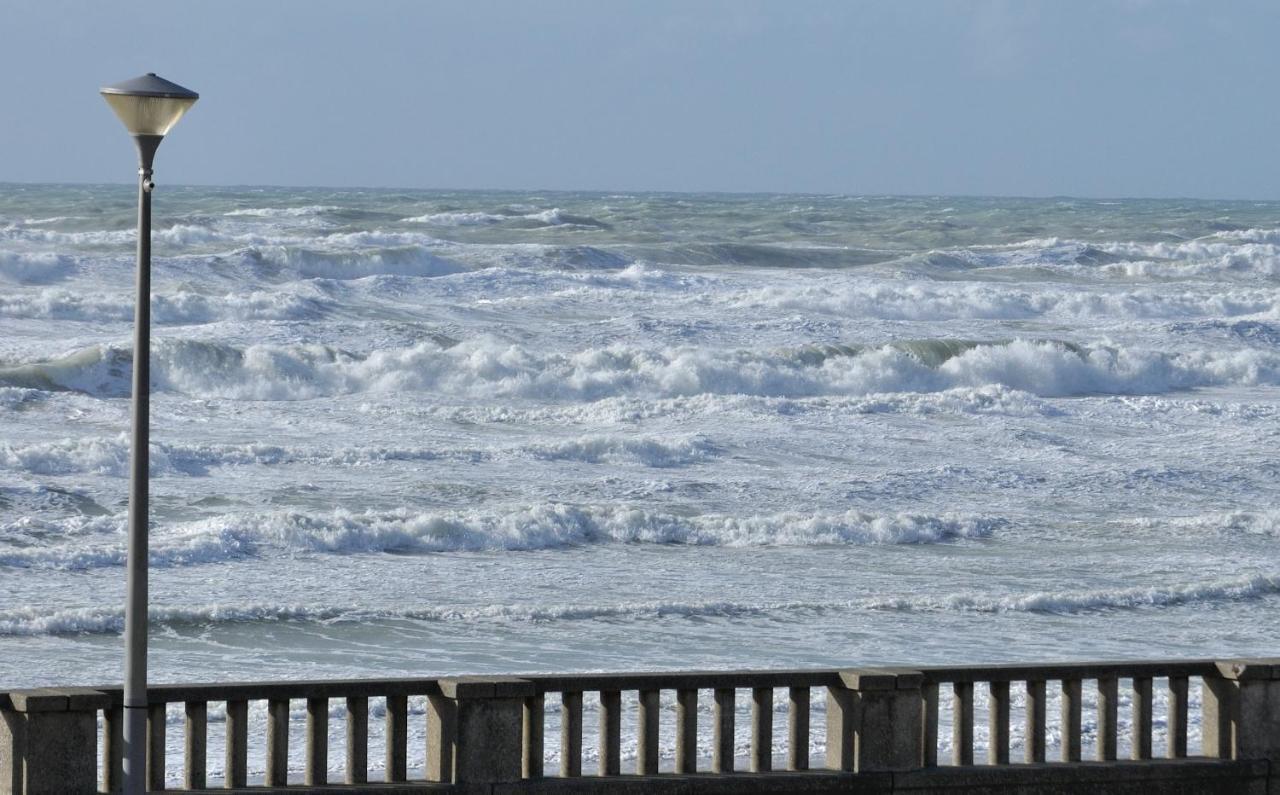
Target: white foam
{"points": [[1249, 523], [489, 368], [1067, 602], [34, 268], [544, 526], [354, 263], [110, 620], [170, 308], [650, 451], [456, 219], [110, 455], [552, 217], [934, 301], [283, 212]]}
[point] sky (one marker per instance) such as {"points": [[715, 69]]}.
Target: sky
{"points": [[1139, 98]]}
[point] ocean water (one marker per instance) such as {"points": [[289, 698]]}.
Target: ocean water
{"points": [[419, 433]]}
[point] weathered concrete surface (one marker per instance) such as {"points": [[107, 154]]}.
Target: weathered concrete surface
{"points": [[13, 744], [52, 741], [888, 719], [488, 716], [1182, 777], [1255, 713]]}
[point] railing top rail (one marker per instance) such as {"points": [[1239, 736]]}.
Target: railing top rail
{"points": [[254, 691], [1069, 670], [682, 680], [660, 680]]}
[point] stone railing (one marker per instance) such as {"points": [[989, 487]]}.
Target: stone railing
{"points": [[882, 730]]}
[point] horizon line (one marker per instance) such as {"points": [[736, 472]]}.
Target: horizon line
{"points": [[660, 192]]}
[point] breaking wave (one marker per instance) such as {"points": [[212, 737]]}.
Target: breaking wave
{"points": [[1070, 603], [170, 308], [35, 268], [547, 526], [107, 620], [110, 456], [349, 263], [283, 212], [489, 368], [552, 217], [933, 301]]}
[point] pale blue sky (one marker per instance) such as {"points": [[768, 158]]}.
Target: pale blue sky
{"points": [[1016, 97]]}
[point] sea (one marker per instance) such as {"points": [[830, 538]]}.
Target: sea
{"points": [[410, 433]]}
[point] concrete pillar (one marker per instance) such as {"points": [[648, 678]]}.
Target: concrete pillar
{"points": [[49, 741], [487, 724], [842, 712], [886, 709], [1253, 716]]}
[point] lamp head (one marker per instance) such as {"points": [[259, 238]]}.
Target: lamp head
{"points": [[149, 105]]}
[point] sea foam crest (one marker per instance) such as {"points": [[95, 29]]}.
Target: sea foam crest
{"points": [[110, 620], [546, 526], [1230, 590], [35, 267], [934, 301], [182, 307], [110, 455], [552, 217], [489, 368], [283, 212]]}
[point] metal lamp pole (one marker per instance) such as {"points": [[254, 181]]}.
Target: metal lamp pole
{"points": [[149, 106]]}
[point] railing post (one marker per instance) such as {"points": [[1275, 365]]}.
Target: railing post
{"points": [[842, 709], [888, 726], [49, 740], [534, 723], [488, 727], [441, 729], [1253, 713], [571, 734], [1217, 730]]}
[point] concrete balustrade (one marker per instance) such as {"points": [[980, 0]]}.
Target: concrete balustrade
{"points": [[882, 727]]}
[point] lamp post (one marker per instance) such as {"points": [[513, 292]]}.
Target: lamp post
{"points": [[149, 106]]}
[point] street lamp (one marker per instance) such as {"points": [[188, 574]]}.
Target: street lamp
{"points": [[149, 106]]}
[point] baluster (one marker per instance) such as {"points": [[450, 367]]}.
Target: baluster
{"points": [[155, 746], [998, 723], [1035, 728], [610, 732], [929, 720], [761, 729], [841, 722], [686, 731], [357, 740], [647, 752], [1178, 688], [798, 729], [277, 742], [722, 748], [1219, 699], [1108, 700], [570, 734], [196, 732], [962, 723], [397, 738], [1071, 713], [442, 735], [532, 750], [1142, 717], [113, 749], [237, 752], [317, 773]]}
